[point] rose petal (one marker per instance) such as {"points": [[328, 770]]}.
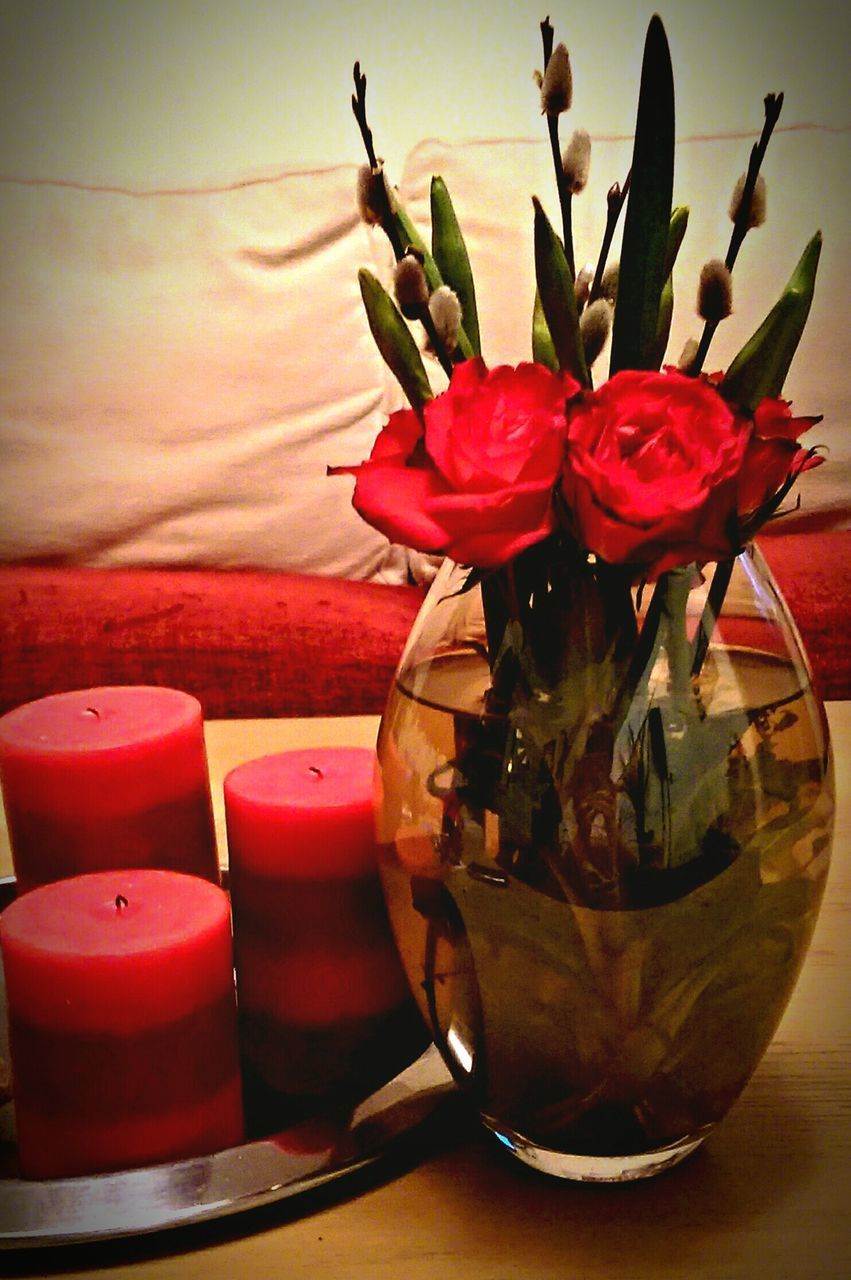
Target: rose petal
{"points": [[768, 464], [499, 426], [398, 438], [490, 550], [488, 530], [773, 418], [395, 501]]}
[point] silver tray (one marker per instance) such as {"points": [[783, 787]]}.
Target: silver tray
{"points": [[134, 1202]]}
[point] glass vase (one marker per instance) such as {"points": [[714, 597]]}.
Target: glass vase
{"points": [[605, 814]]}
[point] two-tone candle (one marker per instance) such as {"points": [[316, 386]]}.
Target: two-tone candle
{"points": [[106, 778], [323, 1001], [122, 1022]]}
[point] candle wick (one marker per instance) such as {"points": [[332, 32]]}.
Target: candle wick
{"points": [[315, 770], [92, 711], [120, 901]]}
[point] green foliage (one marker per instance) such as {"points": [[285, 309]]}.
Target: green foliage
{"points": [[676, 234], [410, 236], [543, 351], [394, 340], [453, 262], [760, 368], [676, 231], [558, 300], [648, 212], [663, 325]]}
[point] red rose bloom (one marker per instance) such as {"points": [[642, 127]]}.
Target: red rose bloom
{"points": [[477, 483], [651, 470], [773, 453]]}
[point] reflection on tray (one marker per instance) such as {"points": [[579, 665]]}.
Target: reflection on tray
{"points": [[289, 1163]]}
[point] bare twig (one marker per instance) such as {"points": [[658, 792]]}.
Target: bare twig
{"points": [[773, 104], [385, 210], [565, 196], [615, 201]]}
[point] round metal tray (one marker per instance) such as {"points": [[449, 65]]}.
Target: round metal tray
{"points": [[132, 1202], [138, 1201]]}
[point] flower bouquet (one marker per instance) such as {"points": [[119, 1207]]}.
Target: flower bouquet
{"points": [[605, 784]]}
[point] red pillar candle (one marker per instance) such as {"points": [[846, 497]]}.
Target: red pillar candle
{"points": [[122, 1022], [323, 1000], [105, 778]]}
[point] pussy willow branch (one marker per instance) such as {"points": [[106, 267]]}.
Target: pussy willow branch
{"points": [[359, 109], [547, 38], [615, 201], [385, 211], [773, 104], [565, 196], [437, 344], [380, 192]]}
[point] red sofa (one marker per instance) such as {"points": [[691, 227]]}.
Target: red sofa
{"points": [[245, 643], [261, 644]]}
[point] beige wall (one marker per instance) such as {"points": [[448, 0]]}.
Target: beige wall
{"points": [[175, 91]]}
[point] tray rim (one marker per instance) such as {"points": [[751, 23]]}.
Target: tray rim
{"points": [[64, 1211]]}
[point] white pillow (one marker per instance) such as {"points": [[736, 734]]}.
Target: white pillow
{"points": [[179, 368]]}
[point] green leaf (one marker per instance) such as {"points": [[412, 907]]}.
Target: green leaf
{"points": [[394, 340], [663, 324], [676, 231], [761, 366], [409, 235], [648, 211], [543, 351], [558, 300], [453, 262]]}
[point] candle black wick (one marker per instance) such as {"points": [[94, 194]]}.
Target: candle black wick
{"points": [[93, 711], [315, 770], [120, 901]]}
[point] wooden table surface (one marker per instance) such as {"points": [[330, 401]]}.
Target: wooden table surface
{"points": [[767, 1195]]}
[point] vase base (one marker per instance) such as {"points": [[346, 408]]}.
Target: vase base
{"points": [[590, 1168]]}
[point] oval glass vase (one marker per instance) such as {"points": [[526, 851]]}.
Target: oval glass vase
{"points": [[605, 819]]}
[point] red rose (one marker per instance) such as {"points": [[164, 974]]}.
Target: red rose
{"points": [[477, 483], [773, 453], [651, 470]]}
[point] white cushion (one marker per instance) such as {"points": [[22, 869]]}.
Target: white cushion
{"points": [[179, 368]]}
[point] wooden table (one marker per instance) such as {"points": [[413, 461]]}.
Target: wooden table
{"points": [[767, 1196]]}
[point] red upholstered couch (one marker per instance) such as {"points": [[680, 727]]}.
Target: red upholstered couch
{"points": [[246, 643], [259, 644]]}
